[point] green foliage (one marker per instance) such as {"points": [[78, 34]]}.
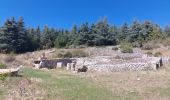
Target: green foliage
{"points": [[61, 41], [3, 76], [68, 55], [15, 37], [3, 66], [126, 47], [76, 53]]}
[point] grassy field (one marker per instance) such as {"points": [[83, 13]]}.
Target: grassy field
{"points": [[56, 85], [63, 85]]}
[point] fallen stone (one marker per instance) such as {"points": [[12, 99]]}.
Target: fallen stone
{"points": [[12, 72]]}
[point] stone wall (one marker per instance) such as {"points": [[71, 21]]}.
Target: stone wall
{"points": [[53, 63], [102, 63], [108, 64]]}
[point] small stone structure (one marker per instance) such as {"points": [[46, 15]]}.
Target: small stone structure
{"points": [[133, 62], [55, 63]]}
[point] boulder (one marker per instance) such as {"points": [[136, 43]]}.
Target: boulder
{"points": [[12, 72]]}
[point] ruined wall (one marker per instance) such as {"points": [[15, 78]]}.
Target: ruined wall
{"points": [[103, 63], [108, 64], [53, 63]]}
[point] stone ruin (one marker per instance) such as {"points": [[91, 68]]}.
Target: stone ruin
{"points": [[132, 62], [107, 64]]}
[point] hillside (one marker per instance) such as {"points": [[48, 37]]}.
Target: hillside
{"points": [[66, 85]]}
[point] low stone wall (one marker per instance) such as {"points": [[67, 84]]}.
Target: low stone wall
{"points": [[108, 64], [53, 63], [102, 63]]}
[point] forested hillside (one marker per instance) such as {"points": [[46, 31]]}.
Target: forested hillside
{"points": [[17, 38]]}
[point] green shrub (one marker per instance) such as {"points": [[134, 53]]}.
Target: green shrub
{"points": [[75, 53], [126, 47], [3, 76], [2, 66], [157, 54], [68, 55]]}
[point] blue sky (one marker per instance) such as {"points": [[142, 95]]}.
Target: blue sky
{"points": [[65, 13]]}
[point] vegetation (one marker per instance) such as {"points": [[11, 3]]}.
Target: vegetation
{"points": [[73, 53], [149, 53], [115, 48], [56, 84], [3, 76], [126, 47], [157, 54], [60, 84], [16, 38], [3, 66]]}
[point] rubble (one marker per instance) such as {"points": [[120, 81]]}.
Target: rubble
{"points": [[12, 72]]}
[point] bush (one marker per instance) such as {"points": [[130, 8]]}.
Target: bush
{"points": [[75, 53], [126, 47], [68, 55], [60, 55], [147, 47], [79, 53], [2, 66], [149, 53], [115, 48], [157, 54], [3, 76], [150, 46]]}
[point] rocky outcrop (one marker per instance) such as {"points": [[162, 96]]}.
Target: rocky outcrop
{"points": [[12, 72]]}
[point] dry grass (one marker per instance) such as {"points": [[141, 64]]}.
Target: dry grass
{"points": [[50, 84], [64, 85], [144, 85]]}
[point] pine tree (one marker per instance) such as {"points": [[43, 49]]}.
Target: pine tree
{"points": [[21, 37]]}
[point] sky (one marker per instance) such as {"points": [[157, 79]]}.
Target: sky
{"points": [[66, 13]]}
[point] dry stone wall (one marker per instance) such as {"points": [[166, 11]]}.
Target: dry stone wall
{"points": [[104, 63], [108, 64]]}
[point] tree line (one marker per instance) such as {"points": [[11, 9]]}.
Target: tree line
{"points": [[16, 38]]}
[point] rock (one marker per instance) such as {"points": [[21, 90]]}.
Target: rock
{"points": [[138, 79], [12, 72], [83, 69], [68, 66], [59, 65]]}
